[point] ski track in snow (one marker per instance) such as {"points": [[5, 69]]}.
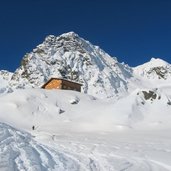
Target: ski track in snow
{"points": [[110, 155], [115, 156], [19, 151]]}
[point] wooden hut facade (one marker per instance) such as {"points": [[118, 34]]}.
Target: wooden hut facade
{"points": [[59, 83]]}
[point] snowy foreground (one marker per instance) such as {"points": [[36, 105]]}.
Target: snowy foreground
{"points": [[74, 132], [132, 151]]}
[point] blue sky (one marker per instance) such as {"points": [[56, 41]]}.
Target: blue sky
{"points": [[132, 30]]}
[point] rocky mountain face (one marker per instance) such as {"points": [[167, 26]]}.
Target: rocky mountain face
{"points": [[5, 75], [71, 57]]}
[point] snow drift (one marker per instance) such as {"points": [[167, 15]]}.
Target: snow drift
{"points": [[65, 110]]}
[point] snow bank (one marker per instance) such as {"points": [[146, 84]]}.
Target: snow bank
{"points": [[63, 110]]}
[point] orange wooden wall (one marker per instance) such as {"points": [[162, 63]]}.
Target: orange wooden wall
{"points": [[54, 84], [62, 84]]}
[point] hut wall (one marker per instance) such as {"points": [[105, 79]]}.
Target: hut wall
{"points": [[66, 85], [54, 84]]}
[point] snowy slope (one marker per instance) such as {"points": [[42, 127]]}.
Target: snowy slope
{"points": [[127, 131], [74, 58], [72, 111], [74, 131], [20, 151]]}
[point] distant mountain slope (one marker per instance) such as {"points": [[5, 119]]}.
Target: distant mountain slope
{"points": [[71, 57], [155, 69]]}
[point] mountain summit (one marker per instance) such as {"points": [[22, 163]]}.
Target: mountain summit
{"points": [[71, 57], [155, 69]]}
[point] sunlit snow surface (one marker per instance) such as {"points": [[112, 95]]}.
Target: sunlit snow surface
{"points": [[129, 151], [126, 129], [74, 131]]}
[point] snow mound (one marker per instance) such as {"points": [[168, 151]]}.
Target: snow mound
{"points": [[69, 111], [56, 110]]}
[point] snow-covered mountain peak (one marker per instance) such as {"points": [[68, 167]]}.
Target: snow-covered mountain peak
{"points": [[71, 57], [157, 62], [68, 42], [155, 69], [65, 37], [154, 62], [69, 34]]}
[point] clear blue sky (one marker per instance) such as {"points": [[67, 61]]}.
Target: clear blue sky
{"points": [[132, 30]]}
